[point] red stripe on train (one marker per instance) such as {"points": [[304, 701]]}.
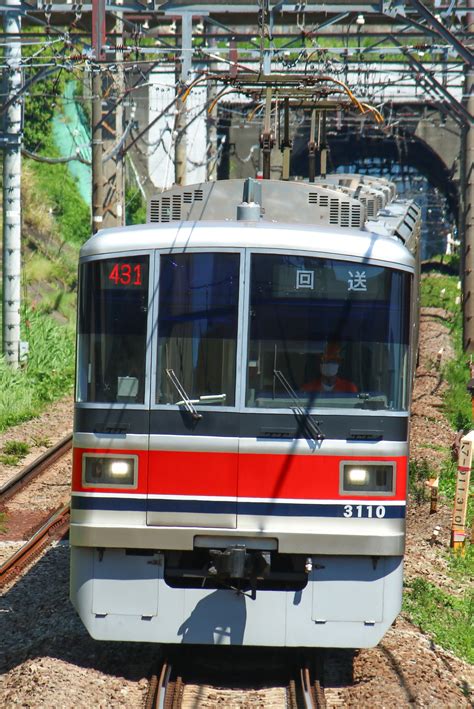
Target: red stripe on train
{"points": [[302, 477]]}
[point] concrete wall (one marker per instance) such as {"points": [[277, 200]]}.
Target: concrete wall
{"points": [[444, 137]]}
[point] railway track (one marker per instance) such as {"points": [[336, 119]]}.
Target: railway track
{"points": [[54, 524], [168, 690], [54, 527], [31, 471]]}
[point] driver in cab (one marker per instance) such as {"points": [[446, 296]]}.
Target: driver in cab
{"points": [[329, 380]]}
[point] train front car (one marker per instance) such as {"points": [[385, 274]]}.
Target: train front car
{"points": [[241, 424]]}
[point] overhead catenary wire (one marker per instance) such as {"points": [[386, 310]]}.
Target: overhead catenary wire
{"points": [[67, 38]]}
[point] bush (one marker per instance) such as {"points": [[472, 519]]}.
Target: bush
{"points": [[135, 207], [57, 186], [42, 96]]}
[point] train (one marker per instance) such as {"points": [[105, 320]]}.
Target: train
{"points": [[245, 362]]}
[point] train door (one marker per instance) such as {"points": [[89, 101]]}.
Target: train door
{"points": [[193, 457]]}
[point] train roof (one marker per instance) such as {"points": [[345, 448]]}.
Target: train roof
{"points": [[185, 235], [330, 219]]}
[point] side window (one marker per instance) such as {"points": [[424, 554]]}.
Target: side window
{"points": [[112, 330], [197, 328]]}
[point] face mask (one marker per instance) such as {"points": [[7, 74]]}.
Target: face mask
{"points": [[329, 369]]}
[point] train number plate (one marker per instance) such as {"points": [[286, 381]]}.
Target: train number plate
{"points": [[368, 511]]}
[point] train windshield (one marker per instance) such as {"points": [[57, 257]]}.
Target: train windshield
{"points": [[197, 328], [112, 326], [327, 333]]}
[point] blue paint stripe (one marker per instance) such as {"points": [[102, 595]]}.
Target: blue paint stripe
{"points": [[112, 504], [209, 507]]}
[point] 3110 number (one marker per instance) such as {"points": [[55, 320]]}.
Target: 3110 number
{"points": [[364, 511], [126, 274]]}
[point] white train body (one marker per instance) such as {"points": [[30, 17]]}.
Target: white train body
{"points": [[222, 491]]}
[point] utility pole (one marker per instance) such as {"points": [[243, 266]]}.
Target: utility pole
{"points": [[211, 152], [12, 188], [98, 41], [286, 143], [97, 172], [113, 213], [180, 152], [267, 139], [467, 199], [312, 147]]}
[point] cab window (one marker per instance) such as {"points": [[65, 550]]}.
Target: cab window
{"points": [[197, 328], [112, 328], [327, 333]]}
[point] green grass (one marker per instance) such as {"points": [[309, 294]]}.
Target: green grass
{"points": [[47, 376], [9, 459], [442, 291], [457, 400], [13, 452], [59, 302], [39, 268], [448, 619], [461, 566], [41, 441], [54, 214], [19, 448]]}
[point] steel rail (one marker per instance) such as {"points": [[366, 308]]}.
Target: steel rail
{"points": [[55, 525], [312, 690], [41, 463], [158, 688], [305, 693], [163, 686]]}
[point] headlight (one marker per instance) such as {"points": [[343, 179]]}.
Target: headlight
{"points": [[357, 476], [110, 471], [368, 477], [121, 468]]}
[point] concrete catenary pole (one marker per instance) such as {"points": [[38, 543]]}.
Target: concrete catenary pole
{"points": [[180, 151], [112, 131], [180, 148], [97, 152], [467, 199], [211, 152], [98, 42], [12, 187]]}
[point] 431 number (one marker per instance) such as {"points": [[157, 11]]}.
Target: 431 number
{"points": [[126, 274]]}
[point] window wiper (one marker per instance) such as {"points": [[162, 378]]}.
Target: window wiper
{"points": [[299, 408], [186, 401], [205, 399]]}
